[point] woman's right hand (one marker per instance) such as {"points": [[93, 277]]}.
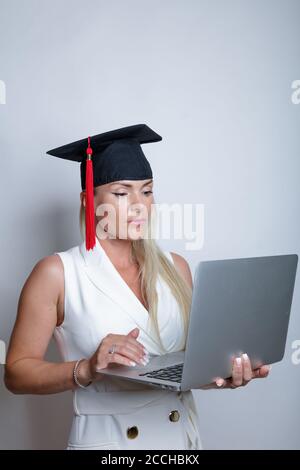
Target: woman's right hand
{"points": [[128, 352]]}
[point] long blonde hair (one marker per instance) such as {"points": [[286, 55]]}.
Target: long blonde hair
{"points": [[153, 262]]}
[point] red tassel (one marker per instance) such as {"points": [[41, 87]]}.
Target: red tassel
{"points": [[90, 238]]}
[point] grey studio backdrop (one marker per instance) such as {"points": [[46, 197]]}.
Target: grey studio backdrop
{"points": [[215, 79]]}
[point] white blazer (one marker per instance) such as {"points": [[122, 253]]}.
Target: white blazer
{"points": [[116, 413]]}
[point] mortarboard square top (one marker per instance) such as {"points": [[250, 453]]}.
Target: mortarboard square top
{"points": [[116, 155]]}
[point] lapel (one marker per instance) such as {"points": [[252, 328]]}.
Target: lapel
{"points": [[103, 274]]}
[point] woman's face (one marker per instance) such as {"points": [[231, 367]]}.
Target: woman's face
{"points": [[123, 208]]}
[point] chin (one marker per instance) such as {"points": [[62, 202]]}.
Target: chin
{"points": [[138, 237]]}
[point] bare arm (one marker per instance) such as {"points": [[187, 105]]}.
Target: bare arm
{"points": [[183, 267], [26, 371]]}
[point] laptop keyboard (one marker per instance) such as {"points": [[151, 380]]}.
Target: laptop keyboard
{"points": [[171, 373]]}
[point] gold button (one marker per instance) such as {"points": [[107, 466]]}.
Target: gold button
{"points": [[132, 432], [174, 415]]}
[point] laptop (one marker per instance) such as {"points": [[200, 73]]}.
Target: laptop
{"points": [[238, 305]]}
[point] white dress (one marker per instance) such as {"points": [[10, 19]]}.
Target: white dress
{"points": [[116, 413]]}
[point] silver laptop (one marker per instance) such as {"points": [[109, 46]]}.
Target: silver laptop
{"points": [[238, 305]]}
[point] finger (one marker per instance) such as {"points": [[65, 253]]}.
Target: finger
{"points": [[219, 382], [247, 374], [120, 359], [135, 344], [227, 383], [265, 369], [135, 332], [230, 384], [125, 339], [237, 372], [136, 354], [262, 371], [131, 352]]}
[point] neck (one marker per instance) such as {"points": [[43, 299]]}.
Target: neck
{"points": [[119, 251]]}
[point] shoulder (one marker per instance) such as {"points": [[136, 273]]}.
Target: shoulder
{"points": [[47, 276], [183, 267], [50, 266], [50, 270]]}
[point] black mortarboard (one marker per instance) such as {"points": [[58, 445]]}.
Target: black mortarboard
{"points": [[111, 156]]}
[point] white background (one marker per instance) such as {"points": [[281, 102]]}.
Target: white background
{"points": [[214, 79]]}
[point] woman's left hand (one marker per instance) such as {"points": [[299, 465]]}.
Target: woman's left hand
{"points": [[242, 373]]}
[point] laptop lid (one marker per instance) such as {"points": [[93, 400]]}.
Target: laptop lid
{"points": [[238, 305]]}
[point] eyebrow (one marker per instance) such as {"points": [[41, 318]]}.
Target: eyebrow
{"points": [[130, 185]]}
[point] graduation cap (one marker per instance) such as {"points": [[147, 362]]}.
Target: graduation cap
{"points": [[111, 156]]}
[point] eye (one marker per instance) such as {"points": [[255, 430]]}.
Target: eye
{"points": [[148, 192], [120, 194]]}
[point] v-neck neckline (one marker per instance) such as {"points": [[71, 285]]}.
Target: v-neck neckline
{"points": [[114, 269]]}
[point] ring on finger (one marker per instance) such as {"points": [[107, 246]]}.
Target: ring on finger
{"points": [[112, 349]]}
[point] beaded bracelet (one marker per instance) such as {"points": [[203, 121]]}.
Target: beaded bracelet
{"points": [[75, 376]]}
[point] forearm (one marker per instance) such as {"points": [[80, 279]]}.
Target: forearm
{"points": [[35, 376]]}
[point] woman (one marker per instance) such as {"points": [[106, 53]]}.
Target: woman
{"points": [[114, 299]]}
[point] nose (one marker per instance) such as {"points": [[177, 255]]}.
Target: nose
{"points": [[137, 208], [136, 201]]}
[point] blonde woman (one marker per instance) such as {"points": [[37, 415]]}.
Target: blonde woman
{"points": [[113, 299]]}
